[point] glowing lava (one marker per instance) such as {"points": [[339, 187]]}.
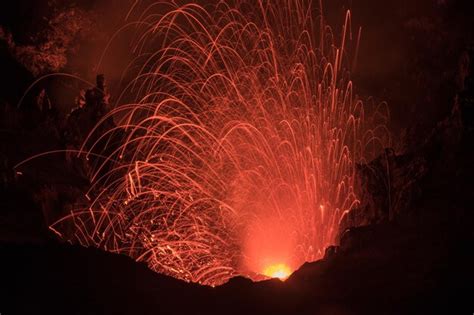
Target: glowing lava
{"points": [[280, 271], [236, 139]]}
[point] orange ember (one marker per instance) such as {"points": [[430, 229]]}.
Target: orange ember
{"points": [[280, 271], [235, 144]]}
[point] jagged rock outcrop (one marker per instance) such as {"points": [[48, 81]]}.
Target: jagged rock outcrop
{"points": [[390, 185], [386, 187]]}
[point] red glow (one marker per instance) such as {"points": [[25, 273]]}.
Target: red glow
{"points": [[240, 148]]}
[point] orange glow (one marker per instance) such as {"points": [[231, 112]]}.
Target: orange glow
{"points": [[235, 143], [280, 271]]}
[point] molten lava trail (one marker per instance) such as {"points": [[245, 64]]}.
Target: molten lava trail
{"points": [[238, 151]]}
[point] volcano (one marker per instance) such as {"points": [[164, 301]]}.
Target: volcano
{"points": [[304, 157]]}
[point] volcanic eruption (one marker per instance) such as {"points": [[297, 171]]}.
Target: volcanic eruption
{"points": [[234, 145]]}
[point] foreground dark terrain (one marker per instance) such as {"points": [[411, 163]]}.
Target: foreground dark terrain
{"points": [[406, 250]]}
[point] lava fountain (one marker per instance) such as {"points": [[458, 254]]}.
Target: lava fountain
{"points": [[237, 152]]}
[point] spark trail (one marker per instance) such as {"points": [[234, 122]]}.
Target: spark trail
{"points": [[240, 145]]}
